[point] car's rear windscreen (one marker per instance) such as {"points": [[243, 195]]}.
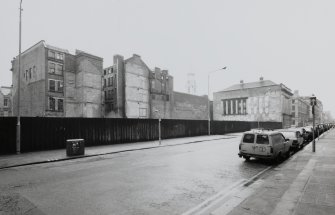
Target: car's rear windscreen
{"points": [[248, 138], [262, 139]]}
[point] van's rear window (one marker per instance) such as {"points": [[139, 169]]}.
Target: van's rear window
{"points": [[262, 139], [248, 138]]}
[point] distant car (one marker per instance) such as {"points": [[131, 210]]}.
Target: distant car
{"points": [[295, 138], [302, 132], [309, 133], [264, 144]]}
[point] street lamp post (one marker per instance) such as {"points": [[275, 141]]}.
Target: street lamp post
{"points": [[18, 125], [208, 102], [313, 103]]}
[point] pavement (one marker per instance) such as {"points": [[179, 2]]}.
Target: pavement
{"points": [[303, 184], [31, 158]]}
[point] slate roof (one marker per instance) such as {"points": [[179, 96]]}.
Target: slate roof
{"points": [[256, 84]]}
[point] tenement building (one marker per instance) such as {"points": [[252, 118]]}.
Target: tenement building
{"points": [[55, 83], [5, 101], [300, 110], [133, 90], [258, 101]]}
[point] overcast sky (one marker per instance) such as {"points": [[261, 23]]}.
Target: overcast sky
{"points": [[286, 41]]}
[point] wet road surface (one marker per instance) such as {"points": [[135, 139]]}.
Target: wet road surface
{"points": [[167, 180]]}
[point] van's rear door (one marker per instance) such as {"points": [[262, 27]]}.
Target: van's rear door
{"points": [[262, 146], [247, 143]]}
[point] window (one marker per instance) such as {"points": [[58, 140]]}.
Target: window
{"points": [[60, 86], [223, 107], [239, 106], [234, 106], [55, 85], [52, 68], [244, 106], [248, 138], [293, 107], [104, 82], [59, 56], [5, 102], [34, 72], [59, 69], [60, 104], [29, 73], [277, 139], [52, 103], [52, 85], [262, 139], [293, 101], [106, 98], [56, 104], [51, 54]]}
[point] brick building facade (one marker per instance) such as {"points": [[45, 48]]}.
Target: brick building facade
{"points": [[133, 90], [55, 83]]}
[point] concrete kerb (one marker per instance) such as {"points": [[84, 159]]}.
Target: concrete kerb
{"points": [[108, 153], [237, 188]]}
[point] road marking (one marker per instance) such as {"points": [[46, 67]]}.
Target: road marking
{"points": [[230, 197]]}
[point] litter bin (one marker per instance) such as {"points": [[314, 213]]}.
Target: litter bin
{"points": [[75, 147]]}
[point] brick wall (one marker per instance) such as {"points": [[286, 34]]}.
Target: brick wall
{"points": [[186, 106], [32, 92]]}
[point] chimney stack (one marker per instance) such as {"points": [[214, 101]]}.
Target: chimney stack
{"points": [[261, 78], [241, 81]]}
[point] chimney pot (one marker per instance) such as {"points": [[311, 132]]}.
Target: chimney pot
{"points": [[241, 81], [261, 78]]}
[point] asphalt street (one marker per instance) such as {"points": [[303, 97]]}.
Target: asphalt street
{"points": [[167, 180]]}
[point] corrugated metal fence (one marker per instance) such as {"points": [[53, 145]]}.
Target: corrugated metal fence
{"points": [[51, 133]]}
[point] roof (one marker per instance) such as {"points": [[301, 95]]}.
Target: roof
{"points": [[56, 48], [256, 84], [260, 131]]}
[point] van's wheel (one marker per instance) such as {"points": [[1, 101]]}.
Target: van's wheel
{"points": [[247, 158]]}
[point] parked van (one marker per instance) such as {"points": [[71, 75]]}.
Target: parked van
{"points": [[264, 144]]}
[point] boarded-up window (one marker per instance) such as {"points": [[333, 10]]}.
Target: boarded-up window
{"points": [[143, 112]]}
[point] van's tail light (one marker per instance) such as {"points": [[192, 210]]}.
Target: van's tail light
{"points": [[239, 147], [271, 149]]}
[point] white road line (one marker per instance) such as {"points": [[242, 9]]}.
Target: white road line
{"points": [[236, 193]]}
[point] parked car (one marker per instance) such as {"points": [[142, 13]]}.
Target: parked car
{"points": [[295, 138], [309, 133], [302, 132], [264, 144]]}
